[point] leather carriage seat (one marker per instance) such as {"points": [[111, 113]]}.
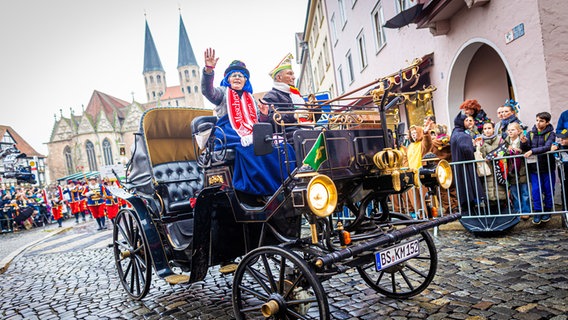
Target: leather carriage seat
{"points": [[204, 123], [181, 181]]}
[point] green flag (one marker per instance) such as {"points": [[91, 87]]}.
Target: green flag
{"points": [[317, 154]]}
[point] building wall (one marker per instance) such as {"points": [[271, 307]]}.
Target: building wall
{"points": [[524, 58]]}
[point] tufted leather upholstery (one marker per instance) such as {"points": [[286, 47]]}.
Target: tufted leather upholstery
{"points": [[180, 181]]}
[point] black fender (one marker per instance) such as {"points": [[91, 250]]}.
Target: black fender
{"points": [[159, 257]]}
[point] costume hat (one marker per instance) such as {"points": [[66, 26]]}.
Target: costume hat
{"points": [[237, 65], [286, 63]]}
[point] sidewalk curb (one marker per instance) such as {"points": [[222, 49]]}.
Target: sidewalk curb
{"points": [[5, 263]]}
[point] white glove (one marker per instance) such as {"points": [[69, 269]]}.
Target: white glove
{"points": [[246, 140]]}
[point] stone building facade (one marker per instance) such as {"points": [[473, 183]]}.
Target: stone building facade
{"points": [[103, 133]]}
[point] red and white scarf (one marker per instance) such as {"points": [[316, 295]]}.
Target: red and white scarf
{"points": [[241, 111]]}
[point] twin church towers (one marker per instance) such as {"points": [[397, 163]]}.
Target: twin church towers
{"points": [[188, 93]]}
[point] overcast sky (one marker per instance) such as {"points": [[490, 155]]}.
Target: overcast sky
{"points": [[54, 53]]}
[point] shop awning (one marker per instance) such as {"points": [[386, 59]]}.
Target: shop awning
{"points": [[79, 176]]}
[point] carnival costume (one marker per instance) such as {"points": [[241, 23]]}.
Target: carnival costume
{"points": [[258, 175]]}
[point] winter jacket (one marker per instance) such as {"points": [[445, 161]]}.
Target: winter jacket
{"points": [[501, 127], [517, 169], [562, 122], [540, 143]]}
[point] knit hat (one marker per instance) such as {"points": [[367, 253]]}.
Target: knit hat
{"points": [[237, 65], [286, 63]]}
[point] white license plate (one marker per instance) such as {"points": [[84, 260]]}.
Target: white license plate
{"points": [[397, 254]]}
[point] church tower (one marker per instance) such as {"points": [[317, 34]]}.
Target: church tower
{"points": [[154, 74], [188, 70]]}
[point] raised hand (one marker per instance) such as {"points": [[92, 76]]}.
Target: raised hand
{"points": [[210, 59]]}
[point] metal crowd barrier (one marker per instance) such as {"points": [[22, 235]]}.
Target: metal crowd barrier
{"points": [[483, 201]]}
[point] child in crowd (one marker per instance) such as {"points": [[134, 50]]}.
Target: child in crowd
{"points": [[517, 176], [542, 171], [489, 141]]}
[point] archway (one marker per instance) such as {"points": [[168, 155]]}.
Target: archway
{"points": [[479, 71]]}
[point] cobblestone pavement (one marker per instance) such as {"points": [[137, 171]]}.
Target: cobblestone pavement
{"points": [[518, 276]]}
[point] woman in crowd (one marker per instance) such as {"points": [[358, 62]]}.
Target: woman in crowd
{"points": [[470, 190]]}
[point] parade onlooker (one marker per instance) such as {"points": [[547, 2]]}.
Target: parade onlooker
{"points": [[541, 172], [509, 115], [489, 141], [563, 155], [562, 122], [517, 175], [470, 190], [472, 108]]}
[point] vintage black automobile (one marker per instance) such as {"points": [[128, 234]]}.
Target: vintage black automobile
{"points": [[185, 217]]}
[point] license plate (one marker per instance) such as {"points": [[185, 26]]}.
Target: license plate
{"points": [[397, 254]]}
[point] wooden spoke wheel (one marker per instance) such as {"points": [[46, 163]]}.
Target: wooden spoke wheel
{"points": [[409, 277], [131, 254], [275, 283]]}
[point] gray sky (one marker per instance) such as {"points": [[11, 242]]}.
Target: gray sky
{"points": [[54, 53]]}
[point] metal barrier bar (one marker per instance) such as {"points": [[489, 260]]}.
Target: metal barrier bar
{"points": [[476, 206]]}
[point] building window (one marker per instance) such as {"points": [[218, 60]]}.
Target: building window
{"points": [[186, 74], [194, 73], [151, 80], [107, 152], [341, 82], [378, 22], [315, 29], [91, 159], [402, 5], [326, 54], [321, 68], [146, 80], [362, 50], [68, 160], [188, 89], [196, 89], [159, 79], [320, 12], [333, 29], [350, 70], [341, 4]]}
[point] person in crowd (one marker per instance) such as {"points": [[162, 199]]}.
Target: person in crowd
{"points": [[74, 198], [111, 201], [542, 174], [470, 191], [472, 108], [237, 113], [439, 144], [562, 122], [509, 115], [517, 175], [415, 150], [96, 195], [283, 96], [489, 141], [470, 128], [563, 156]]}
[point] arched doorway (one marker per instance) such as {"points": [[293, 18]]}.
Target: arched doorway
{"points": [[479, 71]]}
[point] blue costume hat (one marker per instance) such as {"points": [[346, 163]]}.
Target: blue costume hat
{"points": [[513, 104]]}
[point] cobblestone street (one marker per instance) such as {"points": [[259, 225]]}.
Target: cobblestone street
{"points": [[518, 276]]}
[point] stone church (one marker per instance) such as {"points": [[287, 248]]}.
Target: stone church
{"points": [[103, 133]]}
